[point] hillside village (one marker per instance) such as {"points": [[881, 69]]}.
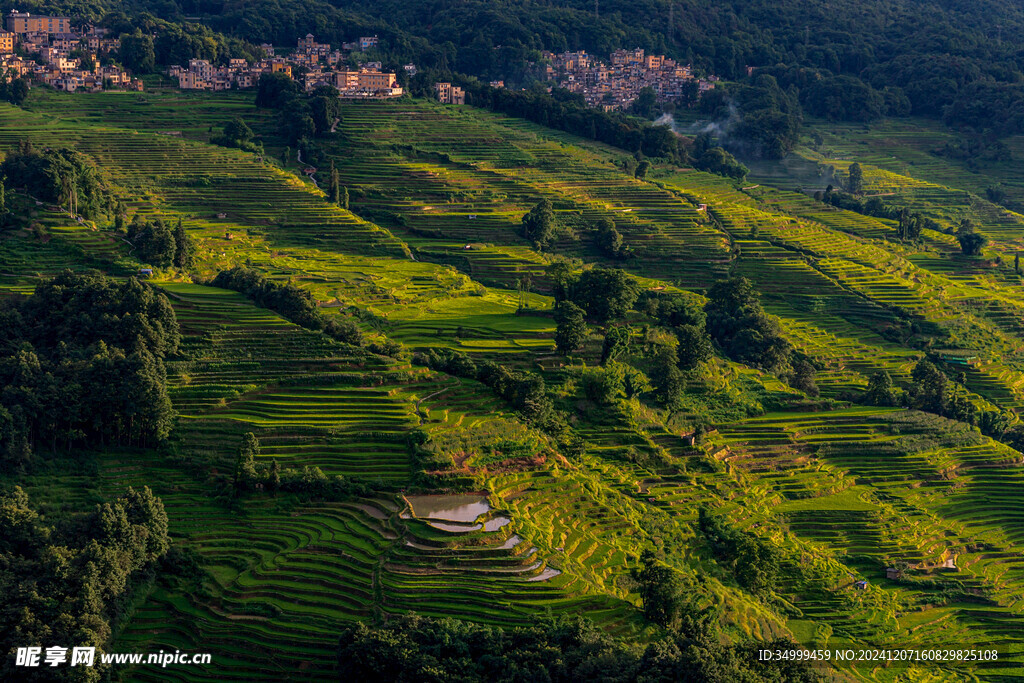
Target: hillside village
{"points": [[70, 57], [311, 63], [617, 85], [47, 50]]}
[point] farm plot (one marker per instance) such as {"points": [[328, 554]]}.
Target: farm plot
{"points": [[496, 173]]}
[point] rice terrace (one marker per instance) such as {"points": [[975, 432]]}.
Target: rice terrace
{"points": [[493, 341]]}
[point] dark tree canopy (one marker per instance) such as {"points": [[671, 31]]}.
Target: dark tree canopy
{"points": [[66, 584], [604, 293], [81, 362], [137, 52], [539, 224], [571, 327], [60, 176], [742, 329], [410, 648], [694, 346]]}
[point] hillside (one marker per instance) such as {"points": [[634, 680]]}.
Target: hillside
{"points": [[551, 515]]}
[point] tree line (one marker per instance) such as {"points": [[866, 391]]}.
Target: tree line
{"points": [[566, 649], [524, 391], [309, 482], [931, 390], [294, 303]]}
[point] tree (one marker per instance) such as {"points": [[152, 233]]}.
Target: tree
{"points": [[14, 91], [335, 186], [643, 105], [604, 384], [143, 509], [539, 224], [86, 62], [660, 591], [3, 203], [880, 391], [236, 134], [803, 377], [154, 242], [275, 91], [88, 369], [855, 181], [694, 346], [757, 564], [274, 478], [608, 238], [325, 107], [137, 53], [910, 225], [931, 388], [971, 243], [742, 329], [239, 130], [245, 462], [717, 160], [604, 293], [562, 279], [344, 198], [298, 127], [185, 248], [642, 169], [68, 581], [570, 327], [669, 382], [617, 342], [1014, 437], [61, 176]]}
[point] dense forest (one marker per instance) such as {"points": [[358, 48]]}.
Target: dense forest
{"points": [[82, 364], [69, 582]]}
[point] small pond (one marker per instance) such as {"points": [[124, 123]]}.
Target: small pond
{"points": [[455, 508]]}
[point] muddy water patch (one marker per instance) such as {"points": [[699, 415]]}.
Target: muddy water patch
{"points": [[548, 573], [453, 508]]}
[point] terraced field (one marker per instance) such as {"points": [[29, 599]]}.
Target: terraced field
{"points": [[431, 255]]}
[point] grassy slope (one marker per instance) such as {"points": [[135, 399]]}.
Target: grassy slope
{"points": [[286, 575]]}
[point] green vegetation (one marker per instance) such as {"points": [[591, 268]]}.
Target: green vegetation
{"points": [[83, 365], [697, 417], [416, 649], [73, 583]]}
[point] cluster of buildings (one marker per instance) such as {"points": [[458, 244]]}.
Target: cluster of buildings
{"points": [[615, 85], [53, 40], [311, 63], [449, 94]]}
